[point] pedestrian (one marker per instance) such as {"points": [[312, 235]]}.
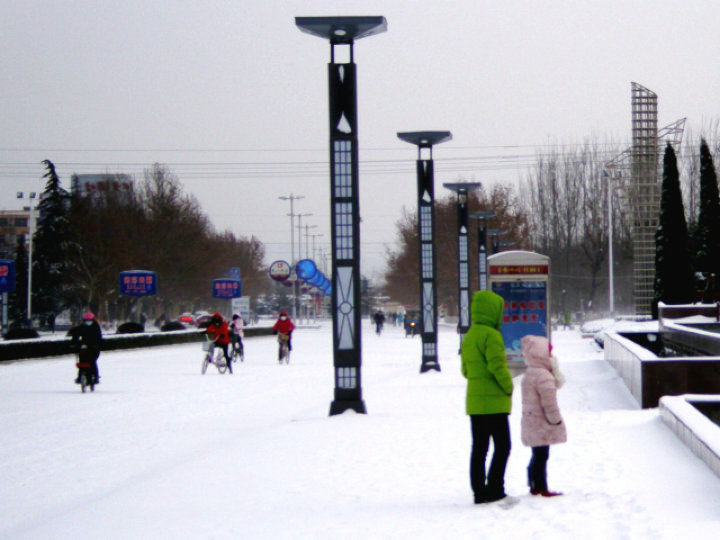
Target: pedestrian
{"points": [[489, 395], [87, 341], [542, 423]]}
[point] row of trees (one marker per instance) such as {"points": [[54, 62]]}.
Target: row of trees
{"points": [[83, 243], [562, 210], [687, 259]]}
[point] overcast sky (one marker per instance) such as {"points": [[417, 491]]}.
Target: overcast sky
{"points": [[232, 97]]}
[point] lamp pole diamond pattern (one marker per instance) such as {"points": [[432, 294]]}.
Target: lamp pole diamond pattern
{"points": [[344, 202], [425, 140]]}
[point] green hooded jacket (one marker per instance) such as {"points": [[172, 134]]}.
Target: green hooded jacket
{"points": [[484, 365]]}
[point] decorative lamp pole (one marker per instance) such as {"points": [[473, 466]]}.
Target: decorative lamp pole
{"points": [[494, 234], [462, 190], [31, 232], [426, 234], [344, 202], [482, 218]]}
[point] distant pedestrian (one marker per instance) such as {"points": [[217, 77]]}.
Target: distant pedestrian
{"points": [[87, 342], [542, 424], [489, 392]]}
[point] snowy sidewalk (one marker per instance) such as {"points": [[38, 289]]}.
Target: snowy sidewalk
{"points": [[160, 451]]}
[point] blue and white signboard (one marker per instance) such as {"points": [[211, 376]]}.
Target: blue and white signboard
{"points": [[138, 283], [522, 279], [7, 276], [226, 288]]}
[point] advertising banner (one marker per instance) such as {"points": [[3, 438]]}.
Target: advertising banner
{"points": [[138, 283], [525, 313], [7, 276], [522, 279], [226, 288]]}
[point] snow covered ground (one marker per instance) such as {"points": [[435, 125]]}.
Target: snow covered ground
{"points": [[161, 451]]}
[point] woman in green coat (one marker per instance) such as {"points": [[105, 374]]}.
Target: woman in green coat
{"points": [[489, 395]]}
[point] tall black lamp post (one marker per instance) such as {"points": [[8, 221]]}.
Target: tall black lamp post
{"points": [[494, 234], [426, 235], [462, 190], [482, 218], [344, 206]]}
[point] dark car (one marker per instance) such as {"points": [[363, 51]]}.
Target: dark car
{"points": [[412, 322]]}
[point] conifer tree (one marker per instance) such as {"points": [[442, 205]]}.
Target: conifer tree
{"points": [[49, 246], [673, 269], [708, 229]]}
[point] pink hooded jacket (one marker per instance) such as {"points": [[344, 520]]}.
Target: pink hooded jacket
{"points": [[542, 423]]}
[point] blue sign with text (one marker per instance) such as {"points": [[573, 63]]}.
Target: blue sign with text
{"points": [[138, 283], [226, 288], [7, 275]]}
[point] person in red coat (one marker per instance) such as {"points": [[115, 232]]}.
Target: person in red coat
{"points": [[284, 326], [218, 328]]}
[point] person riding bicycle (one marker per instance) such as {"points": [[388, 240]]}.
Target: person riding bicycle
{"points": [[284, 326], [236, 332], [87, 341], [379, 319], [221, 337]]}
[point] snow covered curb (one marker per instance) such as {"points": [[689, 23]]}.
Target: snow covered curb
{"points": [[695, 429]]}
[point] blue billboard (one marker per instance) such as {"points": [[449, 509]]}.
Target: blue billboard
{"points": [[138, 283], [525, 313], [7, 276], [226, 288]]}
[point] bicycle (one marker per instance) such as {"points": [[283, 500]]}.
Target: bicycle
{"points": [[86, 378], [283, 348], [238, 351], [213, 355]]}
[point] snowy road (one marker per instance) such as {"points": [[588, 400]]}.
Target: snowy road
{"points": [[161, 451]]}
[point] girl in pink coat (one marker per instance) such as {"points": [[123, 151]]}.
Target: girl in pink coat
{"points": [[542, 424]]}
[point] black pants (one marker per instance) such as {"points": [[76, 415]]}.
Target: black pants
{"points": [[485, 427], [537, 469]]}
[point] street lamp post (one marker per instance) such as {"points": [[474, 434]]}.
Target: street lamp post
{"points": [[494, 234], [462, 190], [482, 218], [344, 202], [292, 198], [307, 240], [31, 221], [425, 140]]}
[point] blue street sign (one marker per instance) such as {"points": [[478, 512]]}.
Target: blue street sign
{"points": [[138, 283], [7, 275], [226, 288]]}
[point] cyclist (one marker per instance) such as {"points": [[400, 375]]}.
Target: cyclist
{"points": [[87, 340], [379, 319], [219, 329], [284, 326], [236, 332]]}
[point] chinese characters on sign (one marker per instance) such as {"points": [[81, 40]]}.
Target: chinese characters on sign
{"points": [[523, 269], [226, 288], [138, 283]]}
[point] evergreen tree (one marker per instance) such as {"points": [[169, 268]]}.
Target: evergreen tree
{"points": [[49, 246], [708, 229], [673, 269], [17, 300]]}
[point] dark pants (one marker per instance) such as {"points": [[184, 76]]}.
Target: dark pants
{"points": [[485, 427], [537, 470]]}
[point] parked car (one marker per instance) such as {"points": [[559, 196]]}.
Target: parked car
{"points": [[188, 319], [202, 319]]}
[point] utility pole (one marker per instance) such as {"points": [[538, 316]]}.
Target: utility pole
{"points": [[292, 198]]}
